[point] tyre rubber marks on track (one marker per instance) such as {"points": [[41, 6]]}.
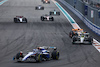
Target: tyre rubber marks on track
{"points": [[96, 44], [3, 2]]}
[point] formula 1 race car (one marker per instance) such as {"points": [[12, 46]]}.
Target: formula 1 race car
{"points": [[83, 38], [47, 17], [20, 19], [75, 32], [46, 1], [54, 12], [39, 54], [40, 7]]}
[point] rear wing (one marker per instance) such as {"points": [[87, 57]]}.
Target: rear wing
{"points": [[46, 47], [86, 33], [19, 16], [77, 29]]}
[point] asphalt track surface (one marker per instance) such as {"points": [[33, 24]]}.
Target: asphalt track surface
{"points": [[21, 36], [0, 0]]}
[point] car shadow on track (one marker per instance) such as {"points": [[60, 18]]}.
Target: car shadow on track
{"points": [[81, 44], [37, 62]]}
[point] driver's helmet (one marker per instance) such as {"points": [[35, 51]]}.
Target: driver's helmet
{"points": [[21, 51], [38, 48], [34, 50], [78, 29], [55, 48], [54, 9]]}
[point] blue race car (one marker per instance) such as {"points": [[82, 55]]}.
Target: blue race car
{"points": [[39, 54]]}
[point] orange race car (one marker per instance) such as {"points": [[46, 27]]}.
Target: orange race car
{"points": [[75, 32], [46, 1]]}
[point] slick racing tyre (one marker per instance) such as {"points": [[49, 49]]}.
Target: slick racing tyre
{"points": [[49, 2], [43, 8], [58, 13], [42, 18], [50, 13], [52, 19], [15, 20], [74, 39], [26, 20], [71, 34], [90, 39], [19, 57], [35, 8], [55, 55], [38, 57]]}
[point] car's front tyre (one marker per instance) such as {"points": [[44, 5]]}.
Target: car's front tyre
{"points": [[25, 20], [38, 57], [42, 18], [15, 20]]}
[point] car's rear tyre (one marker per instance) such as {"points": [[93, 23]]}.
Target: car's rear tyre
{"points": [[58, 13], [43, 8], [90, 40], [50, 13], [55, 55], [71, 34], [52, 19]]}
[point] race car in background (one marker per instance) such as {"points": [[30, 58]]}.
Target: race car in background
{"points": [[75, 32], [83, 38], [47, 17], [39, 54], [20, 19], [54, 12], [46, 1], [42, 0], [39, 7]]}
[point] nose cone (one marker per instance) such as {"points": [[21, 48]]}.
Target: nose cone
{"points": [[82, 39], [21, 19]]}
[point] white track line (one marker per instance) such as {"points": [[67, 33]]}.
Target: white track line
{"points": [[2, 2]]}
